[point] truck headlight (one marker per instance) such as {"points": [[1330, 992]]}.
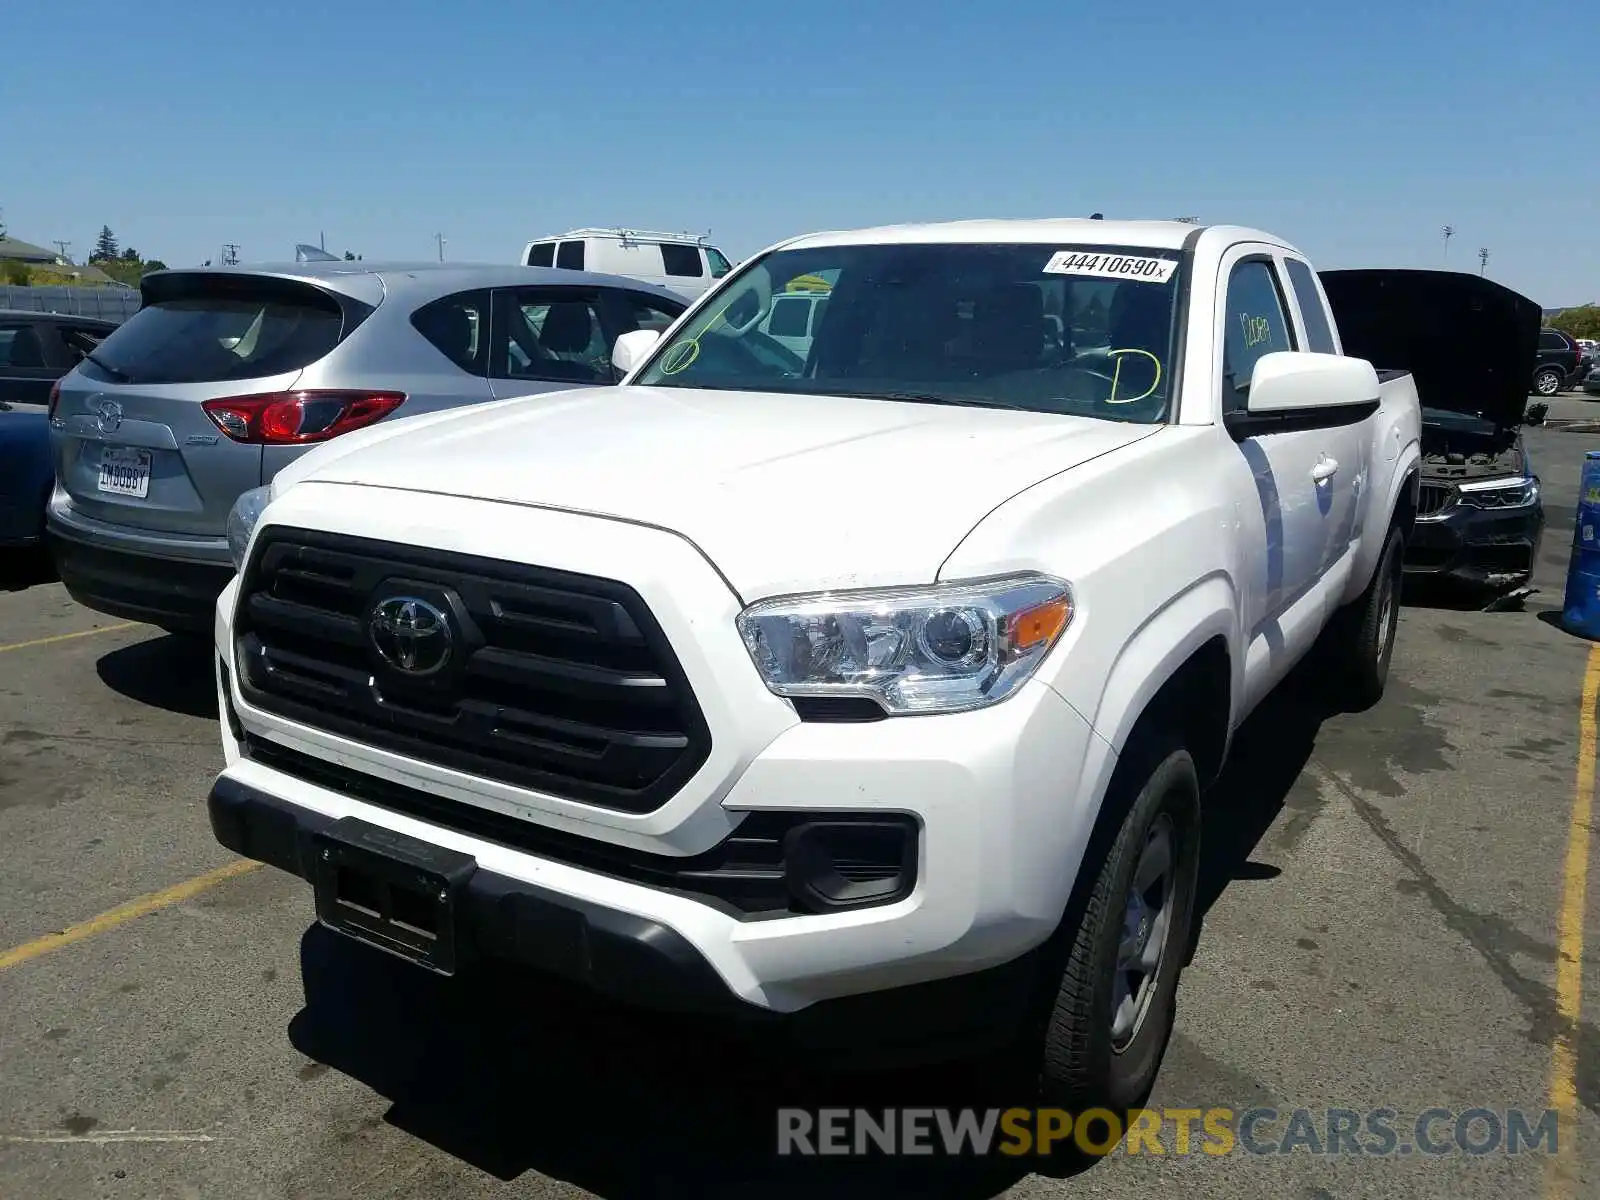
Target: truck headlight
{"points": [[944, 648], [242, 518], [1520, 491]]}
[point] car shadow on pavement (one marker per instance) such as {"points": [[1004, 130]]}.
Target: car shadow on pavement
{"points": [[1262, 779], [521, 1073], [173, 673], [21, 569]]}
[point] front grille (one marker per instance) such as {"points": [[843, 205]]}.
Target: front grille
{"points": [[744, 875], [558, 682], [1434, 499]]}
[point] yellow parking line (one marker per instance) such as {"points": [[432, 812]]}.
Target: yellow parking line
{"points": [[124, 913], [1560, 1177], [67, 637]]}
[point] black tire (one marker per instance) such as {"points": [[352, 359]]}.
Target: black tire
{"points": [[1363, 633], [1082, 1064], [1547, 381]]}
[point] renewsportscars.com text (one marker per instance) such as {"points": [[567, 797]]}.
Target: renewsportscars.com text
{"points": [[1379, 1132]]}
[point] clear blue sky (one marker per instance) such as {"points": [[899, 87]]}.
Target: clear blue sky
{"points": [[1356, 129]]}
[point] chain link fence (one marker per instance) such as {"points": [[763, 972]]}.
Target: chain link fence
{"points": [[104, 303]]}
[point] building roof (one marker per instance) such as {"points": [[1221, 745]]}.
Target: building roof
{"points": [[11, 248]]}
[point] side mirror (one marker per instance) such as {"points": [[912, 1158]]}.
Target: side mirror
{"points": [[1293, 389], [632, 349]]}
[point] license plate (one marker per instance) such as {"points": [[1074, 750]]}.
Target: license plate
{"points": [[125, 472], [391, 891]]}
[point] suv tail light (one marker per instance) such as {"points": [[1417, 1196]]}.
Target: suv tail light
{"points": [[55, 401], [295, 418]]}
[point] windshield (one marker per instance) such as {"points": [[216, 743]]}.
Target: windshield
{"points": [[1045, 328]]}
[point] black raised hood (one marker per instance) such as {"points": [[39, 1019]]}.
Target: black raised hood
{"points": [[1469, 342]]}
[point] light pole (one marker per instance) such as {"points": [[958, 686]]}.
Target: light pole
{"points": [[1483, 259], [1449, 232], [440, 238]]}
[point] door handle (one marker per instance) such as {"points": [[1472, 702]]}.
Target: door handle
{"points": [[1325, 469]]}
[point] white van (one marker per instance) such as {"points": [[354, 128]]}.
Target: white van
{"points": [[683, 262]]}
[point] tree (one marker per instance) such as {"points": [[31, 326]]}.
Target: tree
{"points": [[348, 257], [1580, 322], [17, 274], [154, 264], [129, 254], [105, 246]]}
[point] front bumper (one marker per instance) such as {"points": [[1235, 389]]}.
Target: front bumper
{"points": [[1477, 547], [500, 917], [995, 859], [164, 580], [1001, 817]]}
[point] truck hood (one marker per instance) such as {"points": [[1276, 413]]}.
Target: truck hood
{"points": [[1469, 343], [781, 492]]}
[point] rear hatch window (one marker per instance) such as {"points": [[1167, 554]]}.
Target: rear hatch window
{"points": [[215, 329]]}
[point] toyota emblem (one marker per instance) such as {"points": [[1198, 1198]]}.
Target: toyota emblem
{"points": [[411, 635]]}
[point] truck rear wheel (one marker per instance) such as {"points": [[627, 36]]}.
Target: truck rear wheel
{"points": [[1362, 640], [1108, 1021]]}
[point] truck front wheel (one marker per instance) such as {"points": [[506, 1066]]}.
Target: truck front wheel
{"points": [[1112, 1011]]}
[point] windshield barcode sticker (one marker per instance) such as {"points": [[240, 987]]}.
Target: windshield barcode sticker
{"points": [[1111, 266]]}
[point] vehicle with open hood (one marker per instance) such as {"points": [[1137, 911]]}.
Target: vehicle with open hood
{"points": [[861, 676], [1470, 345]]}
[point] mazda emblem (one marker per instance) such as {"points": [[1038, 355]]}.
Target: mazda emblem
{"points": [[108, 416], [410, 635]]}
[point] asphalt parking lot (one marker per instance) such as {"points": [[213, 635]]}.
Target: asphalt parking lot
{"points": [[1383, 928]]}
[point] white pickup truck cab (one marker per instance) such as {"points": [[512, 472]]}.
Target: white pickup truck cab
{"points": [[877, 678]]}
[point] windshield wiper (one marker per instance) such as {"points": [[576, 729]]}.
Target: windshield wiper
{"points": [[116, 373]]}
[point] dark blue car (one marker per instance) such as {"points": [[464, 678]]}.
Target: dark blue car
{"points": [[36, 349]]}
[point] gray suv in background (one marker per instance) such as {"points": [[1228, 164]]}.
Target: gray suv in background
{"points": [[225, 376]]}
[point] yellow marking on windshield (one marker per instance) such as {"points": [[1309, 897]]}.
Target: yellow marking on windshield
{"points": [[1116, 376]]}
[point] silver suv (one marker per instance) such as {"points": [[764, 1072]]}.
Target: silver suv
{"points": [[225, 376]]}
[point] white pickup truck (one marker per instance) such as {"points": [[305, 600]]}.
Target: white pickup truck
{"points": [[869, 683]]}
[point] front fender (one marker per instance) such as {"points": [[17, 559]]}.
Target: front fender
{"points": [[1168, 639]]}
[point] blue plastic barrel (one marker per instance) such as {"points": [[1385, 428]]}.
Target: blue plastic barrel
{"points": [[1581, 613]]}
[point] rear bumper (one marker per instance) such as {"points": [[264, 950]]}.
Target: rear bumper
{"points": [[167, 581], [1477, 548]]}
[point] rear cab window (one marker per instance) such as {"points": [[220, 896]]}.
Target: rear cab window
{"points": [[1313, 312], [197, 328], [1255, 323], [569, 257]]}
